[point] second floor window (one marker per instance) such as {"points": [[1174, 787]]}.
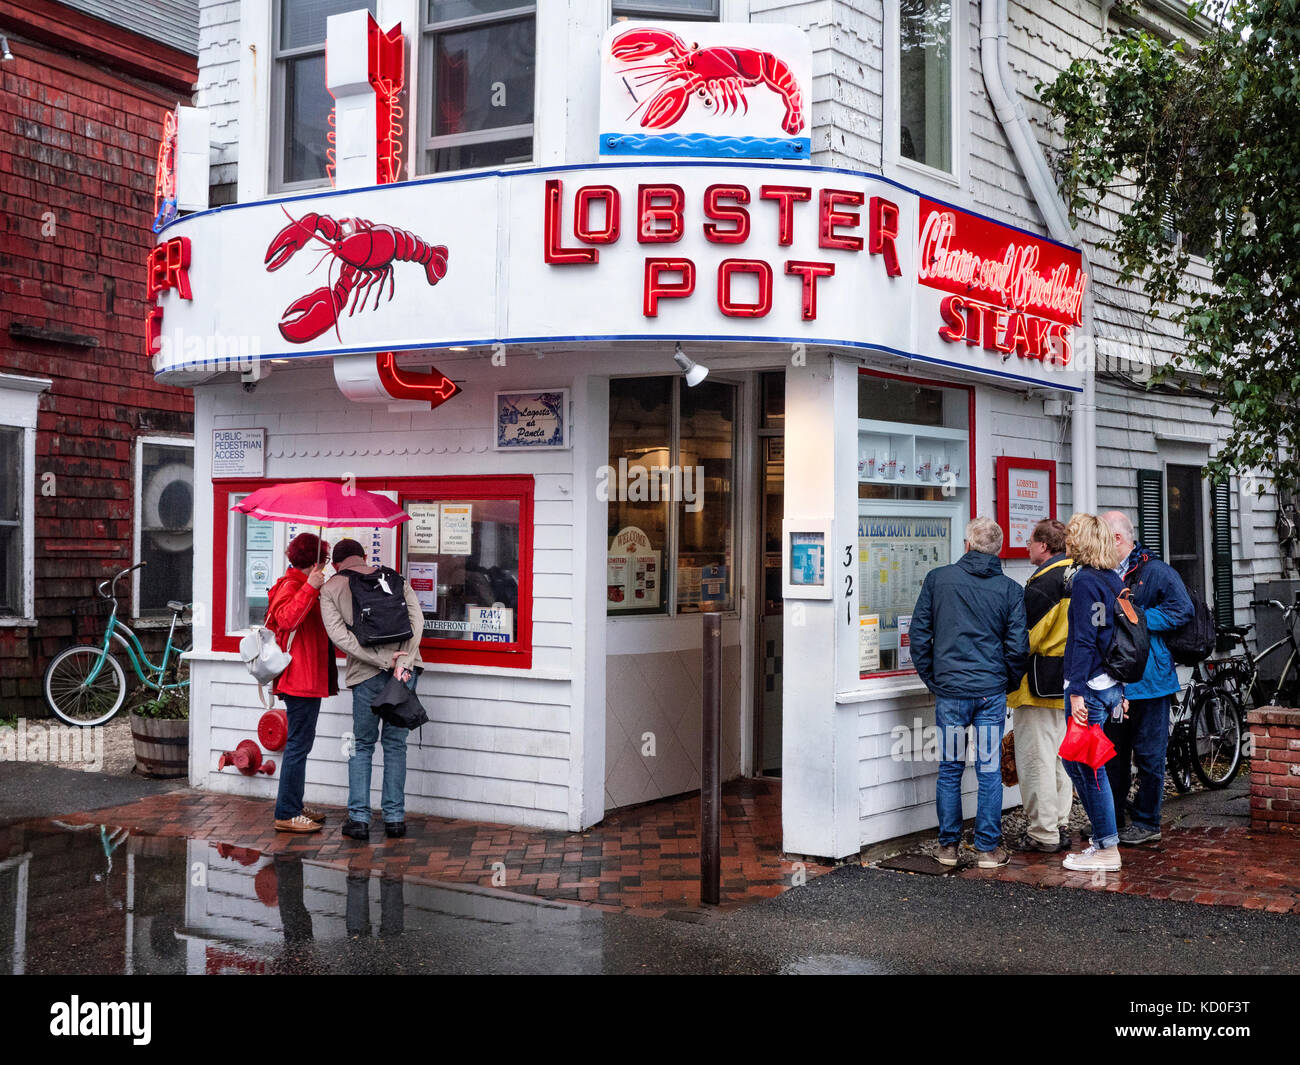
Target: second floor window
{"points": [[703, 10], [925, 82], [477, 83], [301, 103]]}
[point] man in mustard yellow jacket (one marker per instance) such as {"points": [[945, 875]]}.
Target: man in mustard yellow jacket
{"points": [[1039, 729]]}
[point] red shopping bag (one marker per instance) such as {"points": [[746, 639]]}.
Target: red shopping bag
{"points": [[1086, 744]]}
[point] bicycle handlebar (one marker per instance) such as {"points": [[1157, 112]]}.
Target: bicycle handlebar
{"points": [[117, 577]]}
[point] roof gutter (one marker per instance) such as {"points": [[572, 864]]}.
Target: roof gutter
{"points": [[1029, 155]]}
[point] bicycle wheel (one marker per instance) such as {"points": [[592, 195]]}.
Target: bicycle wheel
{"points": [[1178, 761], [76, 700], [1235, 680], [1217, 727]]}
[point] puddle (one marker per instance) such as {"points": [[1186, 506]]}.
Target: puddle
{"points": [[832, 965], [96, 899]]}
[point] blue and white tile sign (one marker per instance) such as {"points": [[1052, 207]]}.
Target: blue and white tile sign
{"points": [[532, 420], [721, 90]]}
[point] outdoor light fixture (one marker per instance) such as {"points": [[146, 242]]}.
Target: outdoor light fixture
{"points": [[4, 49], [695, 373]]}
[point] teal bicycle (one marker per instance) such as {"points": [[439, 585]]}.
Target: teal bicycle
{"points": [[85, 685]]}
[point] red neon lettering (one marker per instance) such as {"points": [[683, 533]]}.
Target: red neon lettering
{"points": [[1017, 334], [712, 209], [830, 218], [656, 289], [809, 272], [1062, 333], [387, 75], [651, 216], [153, 331], [954, 327], [554, 251], [608, 195], [786, 196], [995, 328], [759, 269], [884, 232], [435, 387], [169, 265]]}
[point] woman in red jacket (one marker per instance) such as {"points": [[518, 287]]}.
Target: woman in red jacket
{"points": [[294, 609]]}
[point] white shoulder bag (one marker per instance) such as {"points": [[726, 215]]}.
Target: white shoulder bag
{"points": [[264, 659]]}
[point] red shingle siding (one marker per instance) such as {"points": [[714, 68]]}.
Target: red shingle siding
{"points": [[78, 141]]}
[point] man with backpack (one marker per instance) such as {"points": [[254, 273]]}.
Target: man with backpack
{"points": [[374, 617], [1143, 737]]}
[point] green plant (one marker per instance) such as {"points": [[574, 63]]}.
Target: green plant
{"points": [[170, 705], [1167, 138]]}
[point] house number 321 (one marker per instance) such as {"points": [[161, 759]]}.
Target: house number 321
{"points": [[848, 583]]}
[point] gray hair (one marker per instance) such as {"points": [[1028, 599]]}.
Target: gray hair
{"points": [[984, 535], [1120, 523]]}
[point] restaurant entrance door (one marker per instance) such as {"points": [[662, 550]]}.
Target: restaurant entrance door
{"points": [[771, 509]]}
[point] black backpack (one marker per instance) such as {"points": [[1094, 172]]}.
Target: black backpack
{"points": [[1193, 643], [1130, 644], [379, 612]]}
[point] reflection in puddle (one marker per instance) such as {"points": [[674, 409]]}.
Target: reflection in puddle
{"points": [[97, 899], [832, 965]]}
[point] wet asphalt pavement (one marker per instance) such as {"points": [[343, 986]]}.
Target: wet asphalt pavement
{"points": [[104, 903]]}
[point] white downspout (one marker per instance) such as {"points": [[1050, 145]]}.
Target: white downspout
{"points": [[1015, 124]]}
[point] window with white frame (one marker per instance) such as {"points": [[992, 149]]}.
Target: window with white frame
{"points": [[699, 10], [926, 35], [478, 61], [164, 523], [302, 105], [19, 399]]}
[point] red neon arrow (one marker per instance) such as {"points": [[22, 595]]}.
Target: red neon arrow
{"points": [[435, 387]]}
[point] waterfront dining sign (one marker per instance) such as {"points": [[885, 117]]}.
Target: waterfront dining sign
{"points": [[771, 252]]}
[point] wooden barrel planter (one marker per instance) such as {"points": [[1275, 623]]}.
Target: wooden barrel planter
{"points": [[162, 746]]}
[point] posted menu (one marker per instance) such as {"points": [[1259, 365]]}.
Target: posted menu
{"points": [[894, 556]]}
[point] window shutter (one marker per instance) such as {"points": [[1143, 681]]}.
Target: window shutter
{"points": [[1151, 511], [1221, 530]]}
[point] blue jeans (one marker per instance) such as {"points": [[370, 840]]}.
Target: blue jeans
{"points": [[1093, 785], [1142, 739], [365, 731], [302, 715], [988, 714]]}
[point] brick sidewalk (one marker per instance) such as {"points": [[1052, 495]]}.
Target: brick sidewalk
{"points": [[1221, 866], [644, 860]]}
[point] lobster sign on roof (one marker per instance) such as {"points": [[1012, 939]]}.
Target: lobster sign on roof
{"points": [[706, 90]]}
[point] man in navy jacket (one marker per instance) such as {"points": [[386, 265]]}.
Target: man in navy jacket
{"points": [[1143, 737], [970, 646]]}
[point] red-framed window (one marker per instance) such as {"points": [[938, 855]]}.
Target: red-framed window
{"points": [[485, 575], [917, 507]]}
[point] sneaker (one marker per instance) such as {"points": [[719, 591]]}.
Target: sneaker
{"points": [[947, 854], [313, 815], [356, 829], [297, 824], [993, 859], [1028, 843], [1092, 860], [1132, 835]]}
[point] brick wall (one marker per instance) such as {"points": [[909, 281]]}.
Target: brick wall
{"points": [[78, 149], [1275, 770]]}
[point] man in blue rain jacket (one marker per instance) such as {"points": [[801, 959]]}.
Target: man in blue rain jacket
{"points": [[1143, 737]]}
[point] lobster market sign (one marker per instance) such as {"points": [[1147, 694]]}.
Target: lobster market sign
{"points": [[630, 250], [715, 90]]}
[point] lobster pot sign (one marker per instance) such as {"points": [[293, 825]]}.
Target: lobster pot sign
{"points": [[717, 90]]}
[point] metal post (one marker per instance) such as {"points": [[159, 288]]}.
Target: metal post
{"points": [[711, 764]]}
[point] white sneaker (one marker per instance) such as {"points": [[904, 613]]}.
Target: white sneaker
{"points": [[1092, 860]]}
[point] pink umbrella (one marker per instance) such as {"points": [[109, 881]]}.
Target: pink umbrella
{"points": [[324, 504]]}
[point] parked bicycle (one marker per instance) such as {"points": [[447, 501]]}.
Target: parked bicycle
{"points": [[1239, 674], [1206, 730], [85, 685]]}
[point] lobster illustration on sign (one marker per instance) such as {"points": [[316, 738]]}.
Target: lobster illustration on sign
{"points": [[719, 76], [367, 252]]}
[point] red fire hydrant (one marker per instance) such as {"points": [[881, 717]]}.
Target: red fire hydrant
{"points": [[247, 758]]}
